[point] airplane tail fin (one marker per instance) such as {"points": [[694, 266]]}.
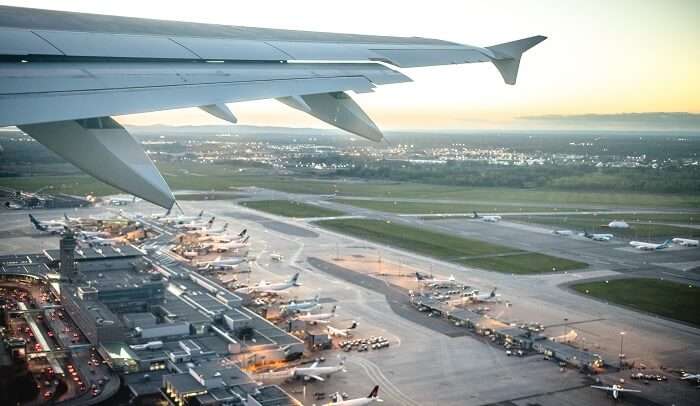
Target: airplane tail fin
{"points": [[353, 325], [201, 213], [476, 215], [507, 56], [419, 276], [36, 223], [295, 279], [493, 292], [374, 393], [242, 233], [65, 216]]}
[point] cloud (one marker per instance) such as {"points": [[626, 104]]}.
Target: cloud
{"points": [[622, 121]]}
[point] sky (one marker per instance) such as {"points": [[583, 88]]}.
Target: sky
{"points": [[601, 57]]}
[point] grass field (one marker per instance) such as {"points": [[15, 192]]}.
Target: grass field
{"points": [[209, 177], [668, 299], [289, 208], [450, 248], [642, 230], [404, 207], [527, 263]]}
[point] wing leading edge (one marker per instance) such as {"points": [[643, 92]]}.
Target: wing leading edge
{"points": [[62, 75]]}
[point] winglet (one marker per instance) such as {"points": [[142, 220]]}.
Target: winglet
{"points": [[507, 56]]}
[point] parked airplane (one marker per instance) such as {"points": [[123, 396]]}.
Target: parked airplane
{"points": [[598, 237], [266, 287], [484, 297], [563, 232], [316, 372], [317, 317], [13, 206], [690, 377], [372, 397], [341, 332], [616, 390], [102, 241], [222, 264], [648, 246], [307, 305], [434, 282], [618, 224], [232, 245], [220, 237], [120, 201], [209, 229], [685, 242], [179, 219], [488, 219], [194, 224], [92, 234], [49, 226]]}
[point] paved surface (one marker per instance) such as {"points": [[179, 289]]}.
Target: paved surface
{"points": [[423, 367]]}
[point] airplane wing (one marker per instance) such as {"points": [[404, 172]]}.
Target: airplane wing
{"points": [[316, 377], [608, 388], [628, 390], [63, 75]]}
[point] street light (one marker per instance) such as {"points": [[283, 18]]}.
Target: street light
{"points": [[622, 340]]}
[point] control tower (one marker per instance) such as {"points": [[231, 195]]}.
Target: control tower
{"points": [[67, 268]]}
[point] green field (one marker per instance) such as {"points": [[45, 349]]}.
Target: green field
{"points": [[194, 176], [404, 207], [638, 230], [528, 263], [667, 299], [290, 208], [450, 248]]}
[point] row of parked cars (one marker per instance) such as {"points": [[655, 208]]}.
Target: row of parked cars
{"points": [[364, 344]]}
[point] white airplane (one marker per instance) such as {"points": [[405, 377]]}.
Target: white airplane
{"points": [[690, 377], [209, 230], [341, 332], [221, 264], [194, 224], [83, 69], [48, 226], [598, 237], [618, 224], [102, 241], [685, 242], [314, 318], [563, 232], [616, 390], [434, 282], [178, 219], [488, 219], [371, 398], [307, 305], [120, 201], [648, 246], [266, 287], [92, 234], [13, 206], [231, 245], [316, 372], [484, 297]]}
